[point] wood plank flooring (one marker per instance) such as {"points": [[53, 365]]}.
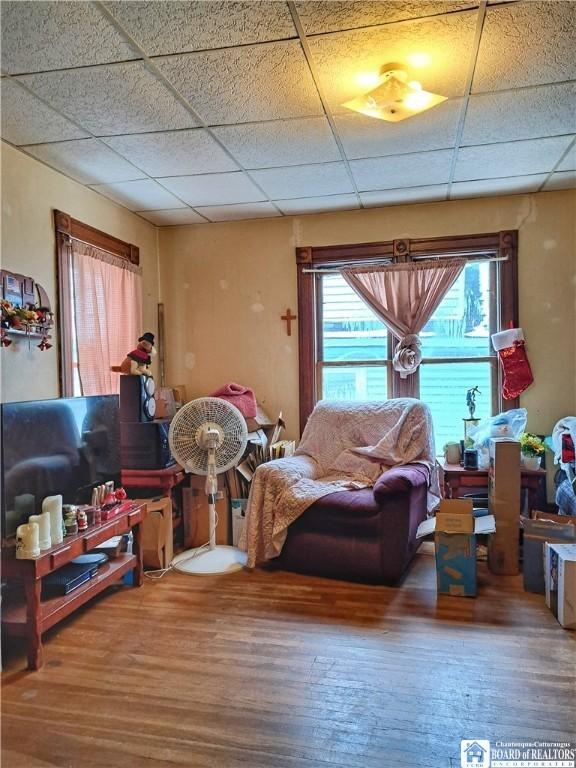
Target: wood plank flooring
{"points": [[277, 670]]}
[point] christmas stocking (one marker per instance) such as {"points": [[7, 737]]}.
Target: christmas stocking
{"points": [[515, 366]]}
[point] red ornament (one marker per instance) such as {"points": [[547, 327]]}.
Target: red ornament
{"points": [[120, 494]]}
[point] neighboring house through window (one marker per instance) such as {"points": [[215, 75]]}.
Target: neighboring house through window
{"points": [[346, 350]]}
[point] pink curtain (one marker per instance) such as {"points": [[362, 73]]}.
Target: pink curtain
{"points": [[107, 315], [405, 296]]}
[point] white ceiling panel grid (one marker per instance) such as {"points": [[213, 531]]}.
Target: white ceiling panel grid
{"points": [[39, 36], [339, 15], [177, 27], [526, 43], [112, 99], [527, 113], [304, 180], [395, 172], [281, 142], [251, 83], [235, 108], [87, 161], [214, 189], [174, 153], [27, 120], [146, 195], [516, 158]]}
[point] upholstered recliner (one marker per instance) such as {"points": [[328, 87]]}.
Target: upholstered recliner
{"points": [[348, 504]]}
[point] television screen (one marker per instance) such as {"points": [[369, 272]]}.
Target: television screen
{"points": [[64, 446]]}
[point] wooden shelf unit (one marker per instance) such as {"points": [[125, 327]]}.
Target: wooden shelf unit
{"points": [[31, 617]]}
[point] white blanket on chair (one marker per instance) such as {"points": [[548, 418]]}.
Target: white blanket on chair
{"points": [[344, 445]]}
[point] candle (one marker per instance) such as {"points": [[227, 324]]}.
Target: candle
{"points": [[52, 505], [27, 541], [43, 522]]}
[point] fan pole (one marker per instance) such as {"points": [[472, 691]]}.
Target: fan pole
{"points": [[211, 491]]}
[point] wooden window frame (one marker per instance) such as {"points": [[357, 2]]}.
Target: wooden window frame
{"points": [[503, 244], [68, 229]]}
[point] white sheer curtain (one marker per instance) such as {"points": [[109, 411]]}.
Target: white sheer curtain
{"points": [[107, 316], [404, 296]]}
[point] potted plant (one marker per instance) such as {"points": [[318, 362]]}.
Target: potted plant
{"points": [[532, 449]]}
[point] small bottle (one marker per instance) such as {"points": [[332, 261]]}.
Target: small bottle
{"points": [[82, 520], [70, 519]]}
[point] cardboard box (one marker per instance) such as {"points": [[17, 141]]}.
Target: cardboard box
{"points": [[238, 517], [536, 534], [560, 574], [196, 515], [455, 529], [504, 504], [156, 529]]}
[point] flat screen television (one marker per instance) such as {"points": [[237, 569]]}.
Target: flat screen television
{"points": [[65, 446]]}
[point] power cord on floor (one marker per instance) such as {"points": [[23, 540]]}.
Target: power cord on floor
{"points": [[159, 573]]}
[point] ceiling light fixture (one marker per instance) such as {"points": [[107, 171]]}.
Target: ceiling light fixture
{"points": [[394, 98]]}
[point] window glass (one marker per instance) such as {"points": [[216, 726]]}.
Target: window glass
{"points": [[355, 382]]}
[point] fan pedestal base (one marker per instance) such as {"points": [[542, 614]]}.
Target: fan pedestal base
{"points": [[207, 562]]}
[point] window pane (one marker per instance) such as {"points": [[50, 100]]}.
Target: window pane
{"points": [[460, 327], [350, 330], [354, 382], [443, 387]]}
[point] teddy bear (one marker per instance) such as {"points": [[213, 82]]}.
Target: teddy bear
{"points": [[138, 361]]}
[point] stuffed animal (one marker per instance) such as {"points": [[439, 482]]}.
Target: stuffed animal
{"points": [[138, 361]]}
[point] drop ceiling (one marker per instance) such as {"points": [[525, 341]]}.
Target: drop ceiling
{"points": [[193, 112]]}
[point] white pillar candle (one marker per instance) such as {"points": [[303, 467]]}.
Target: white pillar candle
{"points": [[52, 505], [43, 522], [27, 541]]}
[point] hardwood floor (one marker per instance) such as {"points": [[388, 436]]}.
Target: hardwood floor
{"points": [[276, 670]]}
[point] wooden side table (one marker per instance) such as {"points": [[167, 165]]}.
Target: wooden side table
{"points": [[459, 481], [31, 618]]}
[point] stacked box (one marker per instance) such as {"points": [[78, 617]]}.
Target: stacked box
{"points": [[504, 504], [560, 574], [455, 529], [536, 534]]}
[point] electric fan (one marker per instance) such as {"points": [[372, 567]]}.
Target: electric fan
{"points": [[208, 436]]}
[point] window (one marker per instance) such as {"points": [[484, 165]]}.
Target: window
{"points": [[100, 306], [346, 351]]}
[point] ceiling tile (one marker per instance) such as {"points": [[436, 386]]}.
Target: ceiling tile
{"points": [[161, 27], [344, 58], [54, 35], [250, 83], [319, 17], [171, 218], [399, 196], [145, 195], [569, 162], [528, 113], [416, 170], [286, 142], [236, 212], [318, 204], [515, 158], [173, 153], [27, 120], [304, 180], [214, 189], [87, 160], [363, 136], [526, 44], [515, 185], [561, 180], [111, 100]]}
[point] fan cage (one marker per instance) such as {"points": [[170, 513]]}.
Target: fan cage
{"points": [[188, 423]]}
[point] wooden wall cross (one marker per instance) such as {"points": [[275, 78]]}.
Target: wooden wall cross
{"points": [[288, 317]]}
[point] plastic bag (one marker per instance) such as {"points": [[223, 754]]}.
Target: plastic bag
{"points": [[507, 424]]}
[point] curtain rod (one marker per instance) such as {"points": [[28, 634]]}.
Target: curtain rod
{"points": [[85, 242], [337, 267]]}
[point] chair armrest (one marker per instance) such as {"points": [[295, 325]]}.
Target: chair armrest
{"points": [[400, 479]]}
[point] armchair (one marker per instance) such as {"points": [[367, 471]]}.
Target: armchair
{"points": [[348, 503]]}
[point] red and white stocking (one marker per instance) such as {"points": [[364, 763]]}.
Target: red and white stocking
{"points": [[515, 366]]}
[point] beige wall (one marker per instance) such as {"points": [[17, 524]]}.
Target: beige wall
{"points": [[225, 286], [30, 192]]}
